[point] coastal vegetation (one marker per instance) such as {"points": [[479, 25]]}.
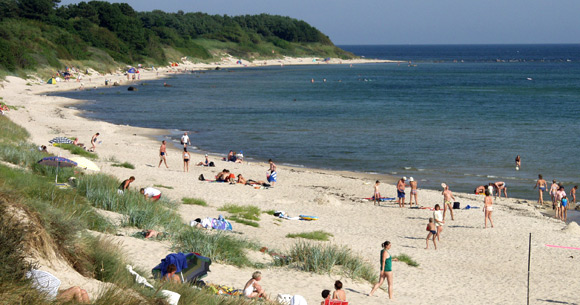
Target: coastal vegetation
{"points": [[124, 165], [42, 36], [76, 150], [194, 201], [247, 215], [315, 235]]}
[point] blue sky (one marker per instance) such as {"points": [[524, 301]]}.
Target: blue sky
{"points": [[408, 21]]}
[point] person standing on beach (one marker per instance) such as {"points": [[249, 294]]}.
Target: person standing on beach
{"points": [[553, 190], [186, 158], [573, 193], [438, 217], [377, 194], [271, 176], [488, 208], [401, 192], [386, 271], [448, 199], [542, 186], [185, 140], [560, 194], [163, 154], [94, 142], [413, 185], [432, 229]]}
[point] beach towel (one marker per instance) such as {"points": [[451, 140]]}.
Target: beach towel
{"points": [[298, 300], [380, 199], [172, 297], [221, 224], [177, 259], [44, 282]]}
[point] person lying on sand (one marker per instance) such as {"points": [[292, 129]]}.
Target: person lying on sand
{"points": [[243, 180], [225, 176]]}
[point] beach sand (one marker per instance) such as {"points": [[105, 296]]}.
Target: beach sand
{"points": [[473, 265]]}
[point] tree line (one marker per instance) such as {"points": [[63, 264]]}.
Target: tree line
{"points": [[32, 27]]}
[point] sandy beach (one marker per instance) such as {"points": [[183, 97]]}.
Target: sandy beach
{"points": [[472, 265]]}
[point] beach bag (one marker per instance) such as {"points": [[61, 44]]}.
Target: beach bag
{"points": [[284, 299], [211, 164], [201, 178], [456, 205]]}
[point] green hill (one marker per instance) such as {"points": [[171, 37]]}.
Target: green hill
{"points": [[39, 34]]}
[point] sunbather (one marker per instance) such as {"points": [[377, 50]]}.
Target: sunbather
{"points": [[243, 180]]}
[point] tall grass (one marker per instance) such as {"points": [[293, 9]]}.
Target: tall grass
{"points": [[79, 151], [220, 246], [323, 259], [194, 201], [11, 132], [124, 164], [101, 191], [315, 235], [244, 214], [407, 260]]}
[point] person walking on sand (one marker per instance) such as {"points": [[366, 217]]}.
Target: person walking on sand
{"points": [[186, 158], [271, 176], [542, 186], [386, 271], [401, 192], [432, 229], [377, 194], [185, 140], [253, 290], [413, 185], [488, 208], [94, 142], [438, 217], [561, 193], [448, 199], [501, 186], [163, 154]]}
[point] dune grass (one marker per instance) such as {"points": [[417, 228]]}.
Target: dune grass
{"points": [[124, 164], [220, 246], [163, 186], [407, 260], [315, 235], [269, 212], [79, 151], [244, 214], [11, 132], [322, 259], [194, 201]]}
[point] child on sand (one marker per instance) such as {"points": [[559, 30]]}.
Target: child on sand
{"points": [[432, 229], [377, 195], [325, 296], [564, 209], [253, 290], [438, 217]]}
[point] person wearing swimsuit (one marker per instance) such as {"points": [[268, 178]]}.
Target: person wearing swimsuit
{"points": [[125, 184], [253, 289], [488, 208], [185, 160], [541, 184], [432, 229], [386, 269], [162, 154]]}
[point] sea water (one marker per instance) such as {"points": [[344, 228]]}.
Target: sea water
{"points": [[453, 114]]}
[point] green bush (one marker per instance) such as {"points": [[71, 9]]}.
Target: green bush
{"points": [[407, 260], [247, 215], [76, 150], [124, 164]]}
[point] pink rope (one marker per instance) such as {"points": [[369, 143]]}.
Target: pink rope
{"points": [[562, 247]]}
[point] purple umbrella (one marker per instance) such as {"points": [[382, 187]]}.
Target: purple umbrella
{"points": [[58, 162]]}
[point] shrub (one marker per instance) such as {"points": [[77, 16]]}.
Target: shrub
{"points": [[76, 150], [407, 259]]}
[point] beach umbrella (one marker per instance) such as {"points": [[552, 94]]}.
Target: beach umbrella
{"points": [[132, 70], [61, 140], [197, 267], [58, 162], [85, 163]]}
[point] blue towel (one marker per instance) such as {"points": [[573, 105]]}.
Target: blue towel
{"points": [[177, 259]]}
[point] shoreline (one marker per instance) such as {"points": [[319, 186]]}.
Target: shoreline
{"points": [[494, 258]]}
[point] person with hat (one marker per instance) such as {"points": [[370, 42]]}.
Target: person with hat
{"points": [[401, 192], [413, 185], [448, 199]]}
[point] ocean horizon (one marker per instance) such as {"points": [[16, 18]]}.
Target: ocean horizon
{"points": [[457, 114]]}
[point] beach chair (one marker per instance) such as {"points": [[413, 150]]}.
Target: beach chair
{"points": [[335, 302]]}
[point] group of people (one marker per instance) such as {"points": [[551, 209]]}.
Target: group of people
{"points": [[150, 193], [401, 185], [560, 203]]}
